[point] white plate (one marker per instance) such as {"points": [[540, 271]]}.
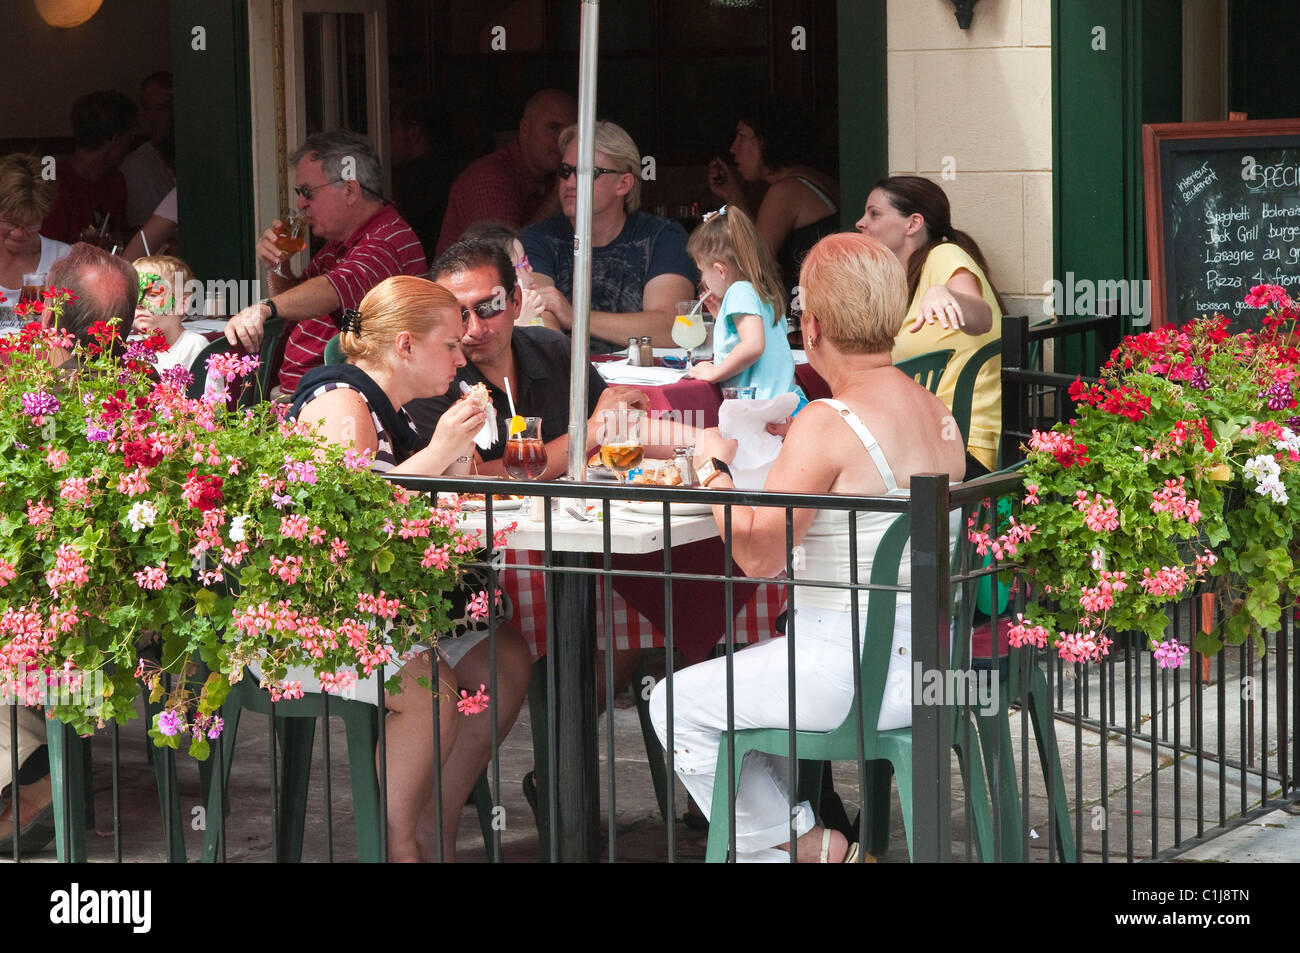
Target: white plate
{"points": [[478, 506], [655, 508]]}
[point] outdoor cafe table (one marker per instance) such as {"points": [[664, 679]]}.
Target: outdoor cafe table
{"points": [[637, 540]]}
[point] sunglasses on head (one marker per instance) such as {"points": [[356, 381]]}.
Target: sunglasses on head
{"points": [[565, 170]]}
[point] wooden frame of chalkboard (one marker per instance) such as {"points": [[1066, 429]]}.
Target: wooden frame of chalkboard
{"points": [[1168, 146]]}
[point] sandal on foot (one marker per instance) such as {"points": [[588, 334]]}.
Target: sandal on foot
{"points": [[850, 856], [33, 836]]}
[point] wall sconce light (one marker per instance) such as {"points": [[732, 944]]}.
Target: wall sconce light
{"points": [[65, 14], [965, 10]]}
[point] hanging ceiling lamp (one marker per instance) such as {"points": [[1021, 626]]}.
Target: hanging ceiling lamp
{"points": [[65, 14]]}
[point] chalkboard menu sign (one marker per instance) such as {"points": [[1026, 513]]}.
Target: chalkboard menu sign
{"points": [[1222, 215]]}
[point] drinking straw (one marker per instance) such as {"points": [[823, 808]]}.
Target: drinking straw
{"points": [[510, 398], [516, 422], [699, 304]]}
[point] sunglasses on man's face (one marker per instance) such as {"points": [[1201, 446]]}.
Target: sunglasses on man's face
{"points": [[486, 310], [565, 170]]}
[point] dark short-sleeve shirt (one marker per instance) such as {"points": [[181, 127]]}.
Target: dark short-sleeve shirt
{"points": [[647, 247], [542, 389]]}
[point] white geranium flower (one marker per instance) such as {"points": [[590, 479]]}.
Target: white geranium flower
{"points": [[237, 532], [1262, 468], [142, 515], [1289, 442]]}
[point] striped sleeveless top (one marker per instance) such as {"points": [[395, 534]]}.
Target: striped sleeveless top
{"points": [[395, 434]]}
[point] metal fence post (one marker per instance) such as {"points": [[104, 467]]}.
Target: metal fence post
{"points": [[931, 652], [1015, 356]]}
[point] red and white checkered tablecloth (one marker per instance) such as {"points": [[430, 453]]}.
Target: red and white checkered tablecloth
{"points": [[755, 622]]}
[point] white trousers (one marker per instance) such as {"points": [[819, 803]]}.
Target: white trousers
{"points": [[31, 735], [823, 697]]}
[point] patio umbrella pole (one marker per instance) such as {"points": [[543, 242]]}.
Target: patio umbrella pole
{"points": [[574, 651]]}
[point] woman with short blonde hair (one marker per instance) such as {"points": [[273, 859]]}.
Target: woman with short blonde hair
{"points": [[878, 429], [858, 293], [26, 195]]}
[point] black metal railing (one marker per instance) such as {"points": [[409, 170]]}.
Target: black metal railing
{"points": [[1038, 366], [1181, 757]]}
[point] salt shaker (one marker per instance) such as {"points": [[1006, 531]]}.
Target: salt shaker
{"points": [[647, 352], [633, 353], [684, 458]]}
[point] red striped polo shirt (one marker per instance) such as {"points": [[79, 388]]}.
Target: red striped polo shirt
{"points": [[384, 246]]}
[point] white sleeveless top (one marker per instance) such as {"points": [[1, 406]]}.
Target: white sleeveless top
{"points": [[826, 544]]}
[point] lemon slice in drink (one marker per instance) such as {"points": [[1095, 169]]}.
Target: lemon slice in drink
{"points": [[516, 425]]}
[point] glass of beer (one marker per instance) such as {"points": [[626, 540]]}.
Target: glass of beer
{"points": [[290, 238], [620, 442], [525, 454], [33, 286]]}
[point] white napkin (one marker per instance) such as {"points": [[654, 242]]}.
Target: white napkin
{"points": [[487, 435], [744, 421], [620, 372]]}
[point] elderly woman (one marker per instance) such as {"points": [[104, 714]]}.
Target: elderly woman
{"points": [[952, 302], [404, 343], [25, 199], [879, 427]]}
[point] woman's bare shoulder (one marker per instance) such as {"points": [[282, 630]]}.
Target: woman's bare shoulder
{"points": [[340, 400], [344, 417]]}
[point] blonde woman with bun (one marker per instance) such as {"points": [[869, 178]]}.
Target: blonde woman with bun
{"points": [[401, 344]]}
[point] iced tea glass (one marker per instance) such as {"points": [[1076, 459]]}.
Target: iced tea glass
{"points": [[620, 442]]}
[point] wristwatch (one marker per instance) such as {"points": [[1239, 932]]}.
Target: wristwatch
{"points": [[270, 305], [708, 471]]}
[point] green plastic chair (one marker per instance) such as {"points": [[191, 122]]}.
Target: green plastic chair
{"points": [[1021, 681], [199, 367], [253, 391], [964, 392], [927, 369], [333, 351], [70, 758], [888, 752], [296, 729]]}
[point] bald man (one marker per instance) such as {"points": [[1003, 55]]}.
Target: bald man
{"points": [[510, 185]]}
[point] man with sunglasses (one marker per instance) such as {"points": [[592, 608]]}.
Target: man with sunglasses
{"points": [[339, 184], [639, 265], [511, 185], [535, 360]]}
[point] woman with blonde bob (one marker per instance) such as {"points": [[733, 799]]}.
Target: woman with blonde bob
{"points": [[401, 344], [877, 429], [26, 195]]}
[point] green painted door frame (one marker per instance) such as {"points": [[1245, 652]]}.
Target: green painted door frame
{"points": [[214, 163], [864, 120], [1116, 64]]}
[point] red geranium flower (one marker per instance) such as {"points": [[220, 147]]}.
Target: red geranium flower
{"points": [[202, 493], [140, 453]]}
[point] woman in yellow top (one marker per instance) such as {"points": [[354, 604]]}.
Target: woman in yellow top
{"points": [[953, 305]]}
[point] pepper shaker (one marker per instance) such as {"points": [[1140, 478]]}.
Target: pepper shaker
{"points": [[684, 458], [647, 352]]}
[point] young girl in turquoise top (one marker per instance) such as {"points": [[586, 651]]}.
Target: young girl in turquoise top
{"points": [[750, 348]]}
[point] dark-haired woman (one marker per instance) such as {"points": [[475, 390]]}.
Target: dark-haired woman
{"points": [[953, 305], [801, 205]]}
